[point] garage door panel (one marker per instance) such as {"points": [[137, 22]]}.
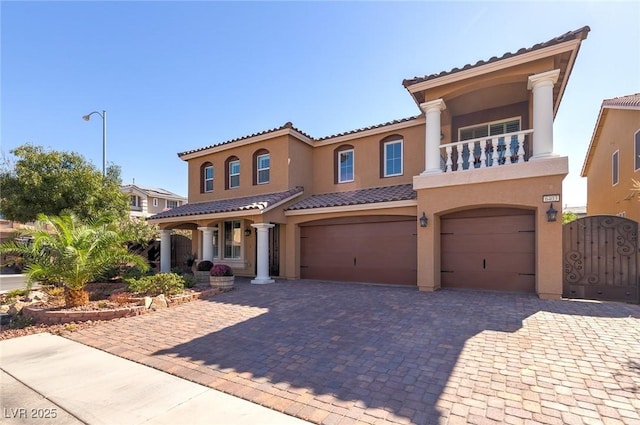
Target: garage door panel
{"points": [[377, 252], [489, 252]]}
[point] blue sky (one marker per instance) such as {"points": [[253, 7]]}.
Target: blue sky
{"points": [[175, 76]]}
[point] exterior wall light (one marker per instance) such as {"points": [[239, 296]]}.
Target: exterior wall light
{"points": [[423, 220], [247, 232], [552, 213]]}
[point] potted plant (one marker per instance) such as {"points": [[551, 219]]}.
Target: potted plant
{"points": [[221, 276], [201, 273]]}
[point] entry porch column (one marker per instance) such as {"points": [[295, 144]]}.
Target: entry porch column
{"points": [[165, 251], [207, 243], [262, 230]]}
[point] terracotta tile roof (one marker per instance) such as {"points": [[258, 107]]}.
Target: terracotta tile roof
{"points": [[401, 192], [571, 35], [371, 127], [630, 101], [272, 130], [255, 202]]}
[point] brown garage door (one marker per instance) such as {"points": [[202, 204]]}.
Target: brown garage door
{"points": [[360, 249], [489, 249]]}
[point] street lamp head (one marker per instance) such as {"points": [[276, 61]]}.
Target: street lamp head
{"points": [[86, 117]]}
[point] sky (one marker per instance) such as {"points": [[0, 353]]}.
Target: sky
{"points": [[175, 76]]}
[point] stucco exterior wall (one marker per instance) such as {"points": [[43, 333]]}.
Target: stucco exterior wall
{"points": [[617, 134], [367, 160], [523, 193]]}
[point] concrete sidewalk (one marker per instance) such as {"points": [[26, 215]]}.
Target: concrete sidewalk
{"points": [[46, 375]]}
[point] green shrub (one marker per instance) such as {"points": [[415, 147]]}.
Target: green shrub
{"points": [[189, 280], [19, 321], [177, 270], [161, 283]]}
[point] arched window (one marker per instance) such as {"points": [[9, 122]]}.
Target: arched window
{"points": [[344, 162], [232, 171], [391, 156], [206, 177], [261, 166]]}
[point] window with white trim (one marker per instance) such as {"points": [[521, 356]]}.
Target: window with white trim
{"points": [[172, 204], [207, 178], [155, 202], [494, 128], [232, 239], [615, 168], [135, 201], [345, 166], [263, 167], [393, 158], [234, 174]]}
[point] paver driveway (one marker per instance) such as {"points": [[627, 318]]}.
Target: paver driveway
{"points": [[344, 353]]}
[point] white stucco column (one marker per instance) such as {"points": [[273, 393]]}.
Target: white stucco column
{"points": [[432, 110], [165, 251], [207, 243], [262, 230], [542, 87]]}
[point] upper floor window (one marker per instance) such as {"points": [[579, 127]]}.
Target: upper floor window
{"points": [[344, 164], [637, 151], [495, 128], [233, 172], [135, 201], [392, 158], [155, 202], [207, 177], [172, 204], [262, 166], [615, 168]]}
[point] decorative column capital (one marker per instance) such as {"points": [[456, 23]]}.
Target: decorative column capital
{"points": [[263, 225], [433, 104], [205, 229], [544, 78], [164, 232]]}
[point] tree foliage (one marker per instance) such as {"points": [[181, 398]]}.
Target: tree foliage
{"points": [[56, 183], [72, 253]]}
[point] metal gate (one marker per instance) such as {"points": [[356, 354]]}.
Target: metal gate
{"points": [[601, 259]]}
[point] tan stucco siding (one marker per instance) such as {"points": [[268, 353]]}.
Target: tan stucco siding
{"points": [[300, 163], [368, 158], [520, 193], [278, 181], [616, 134]]}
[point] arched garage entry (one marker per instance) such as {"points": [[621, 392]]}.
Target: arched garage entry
{"points": [[374, 249], [488, 248]]}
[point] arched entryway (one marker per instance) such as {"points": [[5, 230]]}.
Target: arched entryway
{"points": [[488, 248]]}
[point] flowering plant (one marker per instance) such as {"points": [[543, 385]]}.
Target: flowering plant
{"points": [[221, 270]]}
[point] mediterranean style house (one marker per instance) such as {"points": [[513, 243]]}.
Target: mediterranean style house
{"points": [[459, 196], [147, 201], [613, 159]]}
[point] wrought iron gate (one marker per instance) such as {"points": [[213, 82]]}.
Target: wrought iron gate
{"points": [[601, 259]]}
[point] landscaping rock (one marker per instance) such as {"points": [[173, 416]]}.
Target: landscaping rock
{"points": [[37, 296], [147, 302], [16, 308], [159, 302]]}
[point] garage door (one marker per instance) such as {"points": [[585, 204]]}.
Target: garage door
{"points": [[489, 249], [360, 249]]}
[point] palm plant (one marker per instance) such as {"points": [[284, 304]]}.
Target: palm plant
{"points": [[66, 251]]}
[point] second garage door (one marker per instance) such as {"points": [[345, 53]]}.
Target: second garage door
{"points": [[489, 249], [379, 249]]}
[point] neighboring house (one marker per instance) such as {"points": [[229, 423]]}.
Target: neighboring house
{"points": [[613, 159], [147, 201], [455, 197], [579, 212]]}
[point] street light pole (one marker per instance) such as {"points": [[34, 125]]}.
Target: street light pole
{"points": [[102, 115]]}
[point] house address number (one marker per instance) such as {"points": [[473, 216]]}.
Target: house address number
{"points": [[551, 198]]}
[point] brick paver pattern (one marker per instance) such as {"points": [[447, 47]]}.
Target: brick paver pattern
{"points": [[336, 353]]}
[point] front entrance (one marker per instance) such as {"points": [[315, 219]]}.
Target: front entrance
{"points": [[601, 259], [488, 248], [375, 249]]}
